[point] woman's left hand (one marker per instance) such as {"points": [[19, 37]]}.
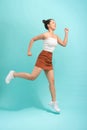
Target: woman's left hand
{"points": [[66, 30]]}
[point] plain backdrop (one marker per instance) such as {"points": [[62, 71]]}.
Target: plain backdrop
{"points": [[23, 103]]}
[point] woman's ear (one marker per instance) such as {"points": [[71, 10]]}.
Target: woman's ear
{"points": [[48, 26]]}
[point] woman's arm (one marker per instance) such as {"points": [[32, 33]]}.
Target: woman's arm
{"points": [[32, 41], [64, 42]]}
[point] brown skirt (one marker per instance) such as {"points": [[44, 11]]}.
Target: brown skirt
{"points": [[44, 60]]}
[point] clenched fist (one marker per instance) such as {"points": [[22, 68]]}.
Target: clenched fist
{"points": [[29, 54]]}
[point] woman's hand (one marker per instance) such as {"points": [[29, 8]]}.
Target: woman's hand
{"points": [[66, 30], [29, 53]]}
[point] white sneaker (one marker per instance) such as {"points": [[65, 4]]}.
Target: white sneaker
{"points": [[54, 105], [9, 77]]}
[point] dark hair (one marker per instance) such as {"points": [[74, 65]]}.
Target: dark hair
{"points": [[46, 22]]}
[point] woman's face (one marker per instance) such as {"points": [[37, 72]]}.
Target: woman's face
{"points": [[52, 25]]}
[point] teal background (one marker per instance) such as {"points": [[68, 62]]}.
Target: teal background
{"points": [[24, 104]]}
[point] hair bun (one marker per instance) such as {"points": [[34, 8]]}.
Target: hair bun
{"points": [[43, 21]]}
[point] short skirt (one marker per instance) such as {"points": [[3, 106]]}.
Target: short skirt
{"points": [[44, 60]]}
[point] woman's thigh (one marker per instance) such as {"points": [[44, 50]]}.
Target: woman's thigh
{"points": [[36, 71], [50, 76]]}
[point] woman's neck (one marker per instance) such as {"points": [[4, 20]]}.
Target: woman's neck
{"points": [[51, 31]]}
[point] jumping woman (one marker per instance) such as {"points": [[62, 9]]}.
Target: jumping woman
{"points": [[44, 60]]}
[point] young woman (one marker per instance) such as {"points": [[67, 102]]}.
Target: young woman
{"points": [[44, 60]]}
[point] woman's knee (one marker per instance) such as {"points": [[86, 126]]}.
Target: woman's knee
{"points": [[32, 77]]}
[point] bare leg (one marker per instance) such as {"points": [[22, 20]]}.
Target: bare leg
{"points": [[50, 77], [36, 71]]}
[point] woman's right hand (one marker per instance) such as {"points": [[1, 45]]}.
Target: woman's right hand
{"points": [[29, 54]]}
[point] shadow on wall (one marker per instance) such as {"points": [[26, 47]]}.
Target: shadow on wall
{"points": [[16, 98], [20, 94], [20, 100]]}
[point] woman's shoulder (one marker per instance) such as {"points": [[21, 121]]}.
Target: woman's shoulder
{"points": [[45, 35], [56, 35]]}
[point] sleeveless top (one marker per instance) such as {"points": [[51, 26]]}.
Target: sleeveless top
{"points": [[50, 44]]}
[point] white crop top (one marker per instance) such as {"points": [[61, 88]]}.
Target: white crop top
{"points": [[50, 44]]}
